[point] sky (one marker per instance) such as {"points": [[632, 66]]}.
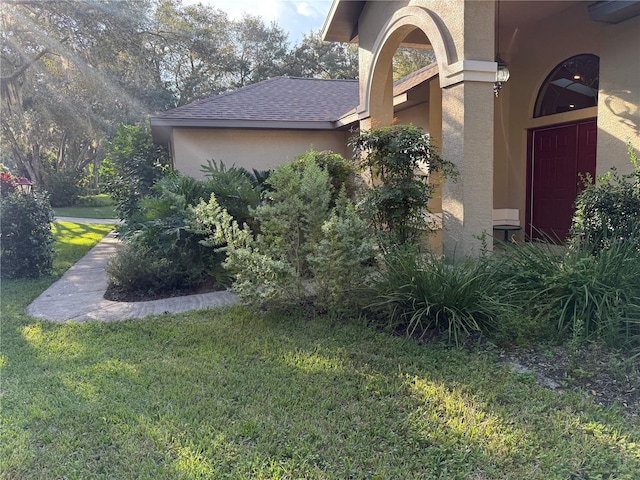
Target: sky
{"points": [[296, 17]]}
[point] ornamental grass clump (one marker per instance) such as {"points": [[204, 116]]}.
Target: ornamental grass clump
{"points": [[425, 295], [583, 296]]}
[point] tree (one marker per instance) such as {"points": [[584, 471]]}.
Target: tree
{"points": [[317, 58], [408, 60], [67, 70]]}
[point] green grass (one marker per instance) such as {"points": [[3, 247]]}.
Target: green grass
{"points": [[92, 206], [228, 394]]}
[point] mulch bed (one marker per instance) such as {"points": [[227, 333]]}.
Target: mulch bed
{"points": [[119, 294]]}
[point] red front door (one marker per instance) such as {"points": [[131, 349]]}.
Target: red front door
{"points": [[560, 157]]}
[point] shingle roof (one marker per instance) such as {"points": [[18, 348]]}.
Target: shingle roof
{"points": [[280, 99]]}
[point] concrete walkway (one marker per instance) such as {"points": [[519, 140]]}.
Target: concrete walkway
{"points": [[78, 294]]}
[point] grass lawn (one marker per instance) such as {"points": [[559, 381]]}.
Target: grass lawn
{"points": [[91, 206], [106, 211], [228, 394]]}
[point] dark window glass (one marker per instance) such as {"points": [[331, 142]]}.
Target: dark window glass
{"points": [[572, 85]]}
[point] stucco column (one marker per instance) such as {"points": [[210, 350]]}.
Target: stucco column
{"points": [[467, 141]]}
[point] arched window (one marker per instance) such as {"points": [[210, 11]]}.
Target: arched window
{"points": [[572, 85]]}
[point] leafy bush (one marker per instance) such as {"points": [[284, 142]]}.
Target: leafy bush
{"points": [[294, 260], [235, 188], [398, 160], [609, 210], [26, 240], [425, 294], [137, 269], [162, 236], [342, 172], [131, 167], [65, 187]]}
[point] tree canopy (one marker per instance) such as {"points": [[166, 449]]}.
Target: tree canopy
{"points": [[71, 71]]}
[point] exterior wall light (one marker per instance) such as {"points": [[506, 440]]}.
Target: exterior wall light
{"points": [[502, 75]]}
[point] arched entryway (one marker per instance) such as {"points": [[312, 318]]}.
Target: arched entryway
{"points": [[467, 108], [561, 157]]}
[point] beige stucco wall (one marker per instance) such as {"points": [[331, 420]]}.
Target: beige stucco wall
{"points": [[417, 115], [259, 149], [619, 98]]}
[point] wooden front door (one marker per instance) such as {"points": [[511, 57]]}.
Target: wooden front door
{"points": [[560, 157]]}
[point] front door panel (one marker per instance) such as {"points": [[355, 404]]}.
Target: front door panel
{"points": [[561, 156]]}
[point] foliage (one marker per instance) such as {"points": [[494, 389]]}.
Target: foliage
{"points": [[26, 241], [74, 70], [7, 184], [342, 172], [161, 244], [582, 296], [425, 294], [65, 187], [235, 189], [131, 168], [399, 160], [407, 60], [287, 263], [609, 211], [315, 58]]}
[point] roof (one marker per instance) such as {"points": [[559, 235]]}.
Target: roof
{"points": [[280, 102]]}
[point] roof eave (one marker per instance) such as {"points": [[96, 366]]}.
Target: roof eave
{"points": [[341, 24], [160, 123]]}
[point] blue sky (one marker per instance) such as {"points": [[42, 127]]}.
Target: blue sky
{"points": [[296, 17]]}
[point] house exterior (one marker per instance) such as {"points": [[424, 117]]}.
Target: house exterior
{"points": [[268, 123], [570, 106]]}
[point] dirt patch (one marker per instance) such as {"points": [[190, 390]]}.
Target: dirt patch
{"points": [[607, 377], [118, 294]]}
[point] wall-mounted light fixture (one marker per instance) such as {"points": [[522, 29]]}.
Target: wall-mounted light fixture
{"points": [[502, 75]]}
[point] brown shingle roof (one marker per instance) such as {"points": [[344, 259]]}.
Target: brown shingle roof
{"points": [[280, 99]]}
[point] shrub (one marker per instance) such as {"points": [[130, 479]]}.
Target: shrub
{"points": [[609, 210], [65, 187], [289, 263], [162, 235], [342, 172], [235, 188], [398, 160], [131, 167], [26, 240], [424, 294], [136, 269]]}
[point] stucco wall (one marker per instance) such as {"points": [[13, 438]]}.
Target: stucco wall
{"points": [[619, 98], [418, 115], [259, 149]]}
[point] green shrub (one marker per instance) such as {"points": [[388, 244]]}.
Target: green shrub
{"points": [[26, 240], [235, 188], [609, 210], [162, 234], [342, 172], [131, 167], [137, 269], [398, 160], [424, 294], [65, 187], [289, 263]]}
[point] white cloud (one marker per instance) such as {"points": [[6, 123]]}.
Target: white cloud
{"points": [[297, 17]]}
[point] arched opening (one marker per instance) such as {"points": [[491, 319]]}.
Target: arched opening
{"points": [[572, 85]]}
